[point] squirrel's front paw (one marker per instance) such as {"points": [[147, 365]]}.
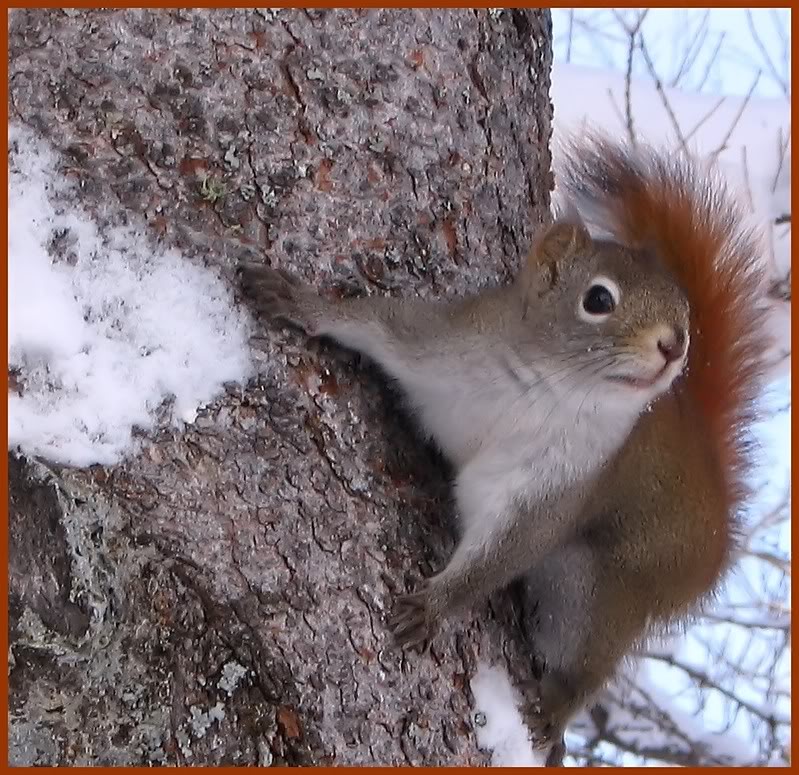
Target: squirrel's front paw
{"points": [[412, 622], [545, 731], [280, 295]]}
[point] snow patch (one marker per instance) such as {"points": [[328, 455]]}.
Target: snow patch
{"points": [[100, 338], [497, 722]]}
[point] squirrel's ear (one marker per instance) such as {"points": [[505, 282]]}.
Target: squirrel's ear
{"points": [[561, 241], [566, 212]]}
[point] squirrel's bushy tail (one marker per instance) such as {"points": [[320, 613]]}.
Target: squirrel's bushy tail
{"points": [[664, 202]]}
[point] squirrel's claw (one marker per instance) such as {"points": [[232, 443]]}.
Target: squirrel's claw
{"points": [[276, 293], [544, 733], [556, 754], [410, 623]]}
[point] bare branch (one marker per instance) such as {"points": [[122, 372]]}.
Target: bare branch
{"points": [[747, 182], [782, 149], [628, 106], [782, 564], [615, 106], [728, 616], [571, 35], [703, 680], [716, 106], [780, 28], [599, 38]]}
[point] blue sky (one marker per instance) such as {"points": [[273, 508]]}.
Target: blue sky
{"points": [[748, 40]]}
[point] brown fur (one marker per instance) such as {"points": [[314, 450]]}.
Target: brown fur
{"points": [[664, 202], [659, 527]]}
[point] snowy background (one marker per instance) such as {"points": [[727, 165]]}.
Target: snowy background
{"points": [[100, 349]]}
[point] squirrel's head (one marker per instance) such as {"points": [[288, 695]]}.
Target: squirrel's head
{"points": [[612, 314]]}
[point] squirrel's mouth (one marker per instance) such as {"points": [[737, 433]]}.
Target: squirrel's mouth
{"points": [[639, 383]]}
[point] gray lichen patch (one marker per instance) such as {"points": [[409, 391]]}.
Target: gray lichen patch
{"points": [[232, 674], [201, 721]]}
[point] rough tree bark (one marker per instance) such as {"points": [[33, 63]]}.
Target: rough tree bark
{"points": [[221, 597]]}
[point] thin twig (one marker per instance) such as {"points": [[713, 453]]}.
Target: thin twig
{"points": [[710, 63], [628, 76], [615, 107], [782, 564], [782, 149], [692, 49], [704, 118], [722, 617], [571, 34], [766, 56], [597, 35], [780, 27], [747, 181], [663, 96], [632, 31], [705, 681], [744, 103]]}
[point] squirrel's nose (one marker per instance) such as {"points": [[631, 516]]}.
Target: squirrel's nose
{"points": [[672, 347]]}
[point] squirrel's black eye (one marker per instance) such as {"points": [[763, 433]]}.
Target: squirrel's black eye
{"points": [[598, 300]]}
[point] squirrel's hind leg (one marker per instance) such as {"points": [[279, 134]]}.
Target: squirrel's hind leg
{"points": [[584, 615]]}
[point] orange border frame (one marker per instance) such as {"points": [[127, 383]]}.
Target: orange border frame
{"points": [[4, 326]]}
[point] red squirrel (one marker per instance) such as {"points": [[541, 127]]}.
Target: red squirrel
{"points": [[657, 531], [528, 389], [589, 466]]}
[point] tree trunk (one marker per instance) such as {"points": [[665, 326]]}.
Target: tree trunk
{"points": [[221, 597]]}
